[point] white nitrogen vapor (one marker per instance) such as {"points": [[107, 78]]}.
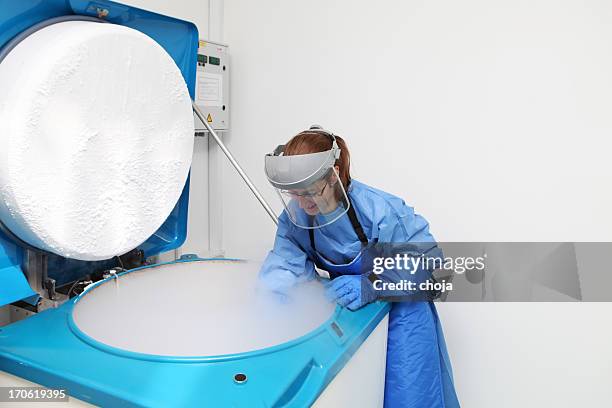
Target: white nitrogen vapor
{"points": [[198, 309]]}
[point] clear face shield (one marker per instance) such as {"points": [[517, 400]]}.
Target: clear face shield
{"points": [[309, 186], [317, 205]]}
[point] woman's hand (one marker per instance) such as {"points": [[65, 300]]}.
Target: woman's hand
{"points": [[350, 291]]}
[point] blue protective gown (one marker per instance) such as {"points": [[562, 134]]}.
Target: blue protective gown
{"points": [[419, 373]]}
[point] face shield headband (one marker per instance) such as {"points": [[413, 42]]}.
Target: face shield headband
{"points": [[308, 184]]}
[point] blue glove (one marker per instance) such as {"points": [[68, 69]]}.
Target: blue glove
{"points": [[350, 291]]}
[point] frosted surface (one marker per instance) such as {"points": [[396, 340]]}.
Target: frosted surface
{"points": [[96, 139], [198, 309]]}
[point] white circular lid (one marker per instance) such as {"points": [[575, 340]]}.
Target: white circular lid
{"points": [[96, 139]]}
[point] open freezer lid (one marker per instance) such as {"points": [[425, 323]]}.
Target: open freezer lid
{"points": [[178, 38]]}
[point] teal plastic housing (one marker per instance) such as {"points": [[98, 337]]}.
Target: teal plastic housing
{"points": [[49, 349], [179, 38]]}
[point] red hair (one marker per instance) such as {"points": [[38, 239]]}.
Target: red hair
{"points": [[310, 141]]}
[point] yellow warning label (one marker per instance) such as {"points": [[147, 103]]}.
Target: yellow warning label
{"points": [[201, 43], [209, 118]]}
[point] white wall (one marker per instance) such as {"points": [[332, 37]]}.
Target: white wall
{"points": [[491, 118], [195, 11]]}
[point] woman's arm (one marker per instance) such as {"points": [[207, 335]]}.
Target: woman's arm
{"points": [[287, 263], [398, 231], [403, 232]]}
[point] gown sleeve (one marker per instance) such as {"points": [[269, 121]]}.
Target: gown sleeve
{"points": [[287, 264], [402, 231]]}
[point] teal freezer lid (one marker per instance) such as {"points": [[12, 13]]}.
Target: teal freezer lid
{"points": [[13, 283], [179, 38], [14, 286]]}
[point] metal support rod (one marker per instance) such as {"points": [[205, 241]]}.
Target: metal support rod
{"points": [[234, 163]]}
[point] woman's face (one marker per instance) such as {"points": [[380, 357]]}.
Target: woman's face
{"points": [[320, 197]]}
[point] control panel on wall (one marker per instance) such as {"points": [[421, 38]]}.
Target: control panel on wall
{"points": [[212, 85]]}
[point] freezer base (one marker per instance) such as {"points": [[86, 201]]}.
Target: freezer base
{"points": [[50, 349], [360, 383]]}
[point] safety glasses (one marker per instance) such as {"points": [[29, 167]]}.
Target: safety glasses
{"points": [[305, 194]]}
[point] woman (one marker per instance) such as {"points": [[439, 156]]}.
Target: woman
{"points": [[329, 220]]}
